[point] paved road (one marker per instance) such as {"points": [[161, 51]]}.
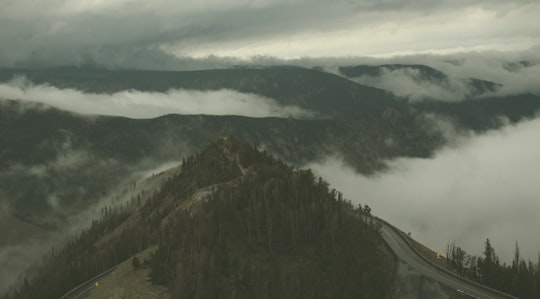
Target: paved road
{"points": [[395, 240], [82, 290], [404, 252]]}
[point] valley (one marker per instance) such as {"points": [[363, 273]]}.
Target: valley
{"points": [[63, 172]]}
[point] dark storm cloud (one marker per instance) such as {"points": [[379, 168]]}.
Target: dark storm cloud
{"points": [[134, 34]]}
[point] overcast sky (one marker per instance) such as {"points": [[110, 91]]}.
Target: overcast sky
{"points": [[176, 34]]}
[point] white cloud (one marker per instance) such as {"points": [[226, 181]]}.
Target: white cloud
{"points": [[137, 104], [385, 34], [487, 65], [491, 66], [404, 83], [482, 187]]}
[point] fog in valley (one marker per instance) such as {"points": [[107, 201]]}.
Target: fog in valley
{"points": [[478, 187], [513, 73], [59, 171], [137, 104]]}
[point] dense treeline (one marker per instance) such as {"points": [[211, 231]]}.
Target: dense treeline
{"points": [[108, 149], [521, 278], [83, 256], [273, 233], [79, 259], [267, 232]]}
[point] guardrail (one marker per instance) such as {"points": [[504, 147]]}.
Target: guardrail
{"points": [[80, 286], [402, 235], [396, 260]]}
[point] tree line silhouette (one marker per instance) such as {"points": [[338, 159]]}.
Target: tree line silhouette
{"points": [[267, 231], [521, 278], [274, 233]]}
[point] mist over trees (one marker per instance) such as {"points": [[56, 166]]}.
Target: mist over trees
{"points": [[56, 153], [266, 231]]}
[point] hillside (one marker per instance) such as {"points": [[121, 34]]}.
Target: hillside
{"points": [[326, 94], [73, 159], [14, 230], [484, 113], [50, 159], [55, 163], [265, 231], [420, 74]]}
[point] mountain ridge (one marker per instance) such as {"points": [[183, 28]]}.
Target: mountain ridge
{"points": [[232, 242], [72, 148], [327, 94], [421, 74]]}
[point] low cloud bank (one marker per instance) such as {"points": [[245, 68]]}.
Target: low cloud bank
{"points": [[405, 83], [517, 73], [482, 187], [408, 82], [137, 104]]}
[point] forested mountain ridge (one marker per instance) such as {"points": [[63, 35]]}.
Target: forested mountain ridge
{"points": [[84, 157], [424, 72], [55, 163], [325, 94], [50, 157], [266, 231], [484, 113], [420, 74], [328, 95], [520, 278]]}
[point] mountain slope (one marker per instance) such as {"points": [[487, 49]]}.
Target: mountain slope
{"points": [[484, 113], [55, 159], [50, 158], [422, 75], [266, 231]]}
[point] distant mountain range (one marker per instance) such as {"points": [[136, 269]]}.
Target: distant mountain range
{"points": [[326, 94], [424, 72], [53, 158], [420, 73], [73, 157], [55, 163], [518, 65]]}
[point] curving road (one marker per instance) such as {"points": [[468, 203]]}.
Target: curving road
{"points": [[81, 290], [394, 238], [404, 251]]}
